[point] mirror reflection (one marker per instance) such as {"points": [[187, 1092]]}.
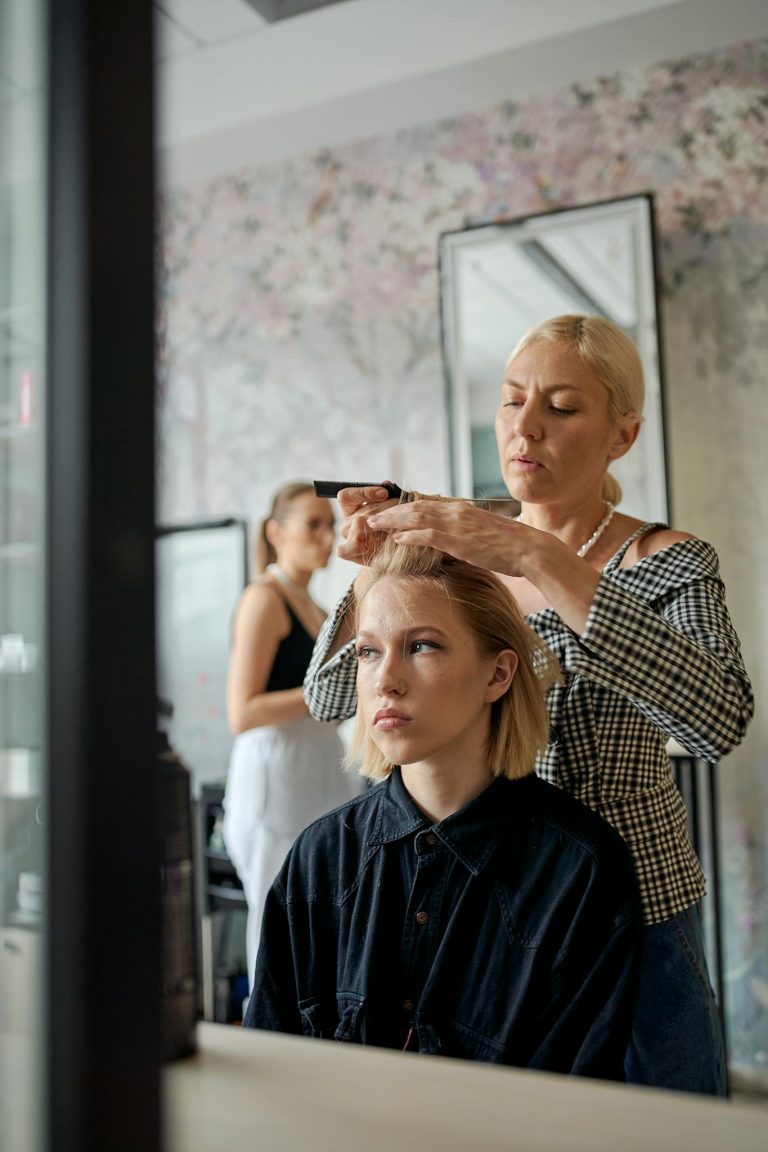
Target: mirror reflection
{"points": [[303, 340], [500, 279]]}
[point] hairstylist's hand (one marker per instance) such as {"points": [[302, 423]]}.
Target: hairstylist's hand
{"points": [[464, 531], [358, 540]]}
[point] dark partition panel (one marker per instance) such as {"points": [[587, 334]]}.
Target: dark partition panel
{"points": [[103, 974]]}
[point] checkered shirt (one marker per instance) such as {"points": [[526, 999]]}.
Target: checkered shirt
{"points": [[659, 658]]}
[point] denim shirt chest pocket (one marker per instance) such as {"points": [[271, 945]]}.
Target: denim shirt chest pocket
{"points": [[343, 1020]]}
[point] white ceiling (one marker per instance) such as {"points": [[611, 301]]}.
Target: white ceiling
{"points": [[234, 90], [222, 64]]}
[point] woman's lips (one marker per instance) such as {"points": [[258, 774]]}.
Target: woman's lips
{"points": [[525, 463], [389, 719]]}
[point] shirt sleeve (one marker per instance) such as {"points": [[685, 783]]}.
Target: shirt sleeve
{"points": [[330, 688], [591, 1016], [673, 653], [273, 1003], [586, 1025]]}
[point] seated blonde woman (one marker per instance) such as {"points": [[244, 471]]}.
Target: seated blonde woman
{"points": [[461, 906]]}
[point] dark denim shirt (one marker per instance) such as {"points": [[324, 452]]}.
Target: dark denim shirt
{"points": [[508, 932]]}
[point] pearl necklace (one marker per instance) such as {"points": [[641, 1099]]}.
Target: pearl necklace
{"points": [[610, 509], [581, 552]]}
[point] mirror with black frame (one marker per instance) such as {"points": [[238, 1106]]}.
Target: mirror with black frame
{"points": [[500, 279]]}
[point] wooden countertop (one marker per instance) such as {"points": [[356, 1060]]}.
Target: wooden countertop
{"points": [[264, 1092]]}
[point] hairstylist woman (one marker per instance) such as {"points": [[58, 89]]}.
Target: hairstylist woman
{"points": [[285, 768], [636, 615]]}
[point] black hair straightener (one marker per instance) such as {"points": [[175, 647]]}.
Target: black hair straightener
{"points": [[331, 488]]}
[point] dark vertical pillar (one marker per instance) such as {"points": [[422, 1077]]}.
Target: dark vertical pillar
{"points": [[103, 953], [717, 919]]}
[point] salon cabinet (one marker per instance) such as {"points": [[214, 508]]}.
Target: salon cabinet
{"points": [[222, 910], [697, 781]]}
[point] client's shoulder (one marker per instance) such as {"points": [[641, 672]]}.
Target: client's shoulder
{"points": [[354, 815], [563, 815], [330, 851]]}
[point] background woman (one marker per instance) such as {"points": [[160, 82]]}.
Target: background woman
{"points": [[464, 907], [636, 614], [285, 768]]}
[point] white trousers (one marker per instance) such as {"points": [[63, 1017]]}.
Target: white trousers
{"points": [[280, 779]]}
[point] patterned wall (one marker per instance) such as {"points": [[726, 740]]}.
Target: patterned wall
{"points": [[300, 336]]}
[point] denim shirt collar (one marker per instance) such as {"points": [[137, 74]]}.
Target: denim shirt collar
{"points": [[472, 834]]}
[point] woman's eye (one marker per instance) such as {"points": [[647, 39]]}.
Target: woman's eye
{"points": [[365, 652], [419, 646], [558, 409]]}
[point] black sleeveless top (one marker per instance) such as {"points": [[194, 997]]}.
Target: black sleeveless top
{"points": [[292, 657]]}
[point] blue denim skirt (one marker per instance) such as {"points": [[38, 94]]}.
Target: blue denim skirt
{"points": [[677, 1039]]}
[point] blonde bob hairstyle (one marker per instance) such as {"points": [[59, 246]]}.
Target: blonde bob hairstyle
{"points": [[614, 359], [519, 722]]}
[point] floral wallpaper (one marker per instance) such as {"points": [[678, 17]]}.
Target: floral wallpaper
{"points": [[300, 336]]}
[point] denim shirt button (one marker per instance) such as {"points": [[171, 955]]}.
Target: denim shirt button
{"points": [[422, 917], [408, 1005], [431, 839]]}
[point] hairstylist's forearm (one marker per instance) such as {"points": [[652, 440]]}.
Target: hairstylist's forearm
{"points": [[566, 582]]}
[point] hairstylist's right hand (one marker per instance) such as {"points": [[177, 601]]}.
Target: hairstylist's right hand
{"points": [[358, 540]]}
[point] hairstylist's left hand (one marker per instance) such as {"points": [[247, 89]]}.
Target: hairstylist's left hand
{"points": [[468, 533], [358, 542]]}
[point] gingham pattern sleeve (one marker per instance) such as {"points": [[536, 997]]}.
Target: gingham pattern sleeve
{"points": [[330, 689], [667, 644]]}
